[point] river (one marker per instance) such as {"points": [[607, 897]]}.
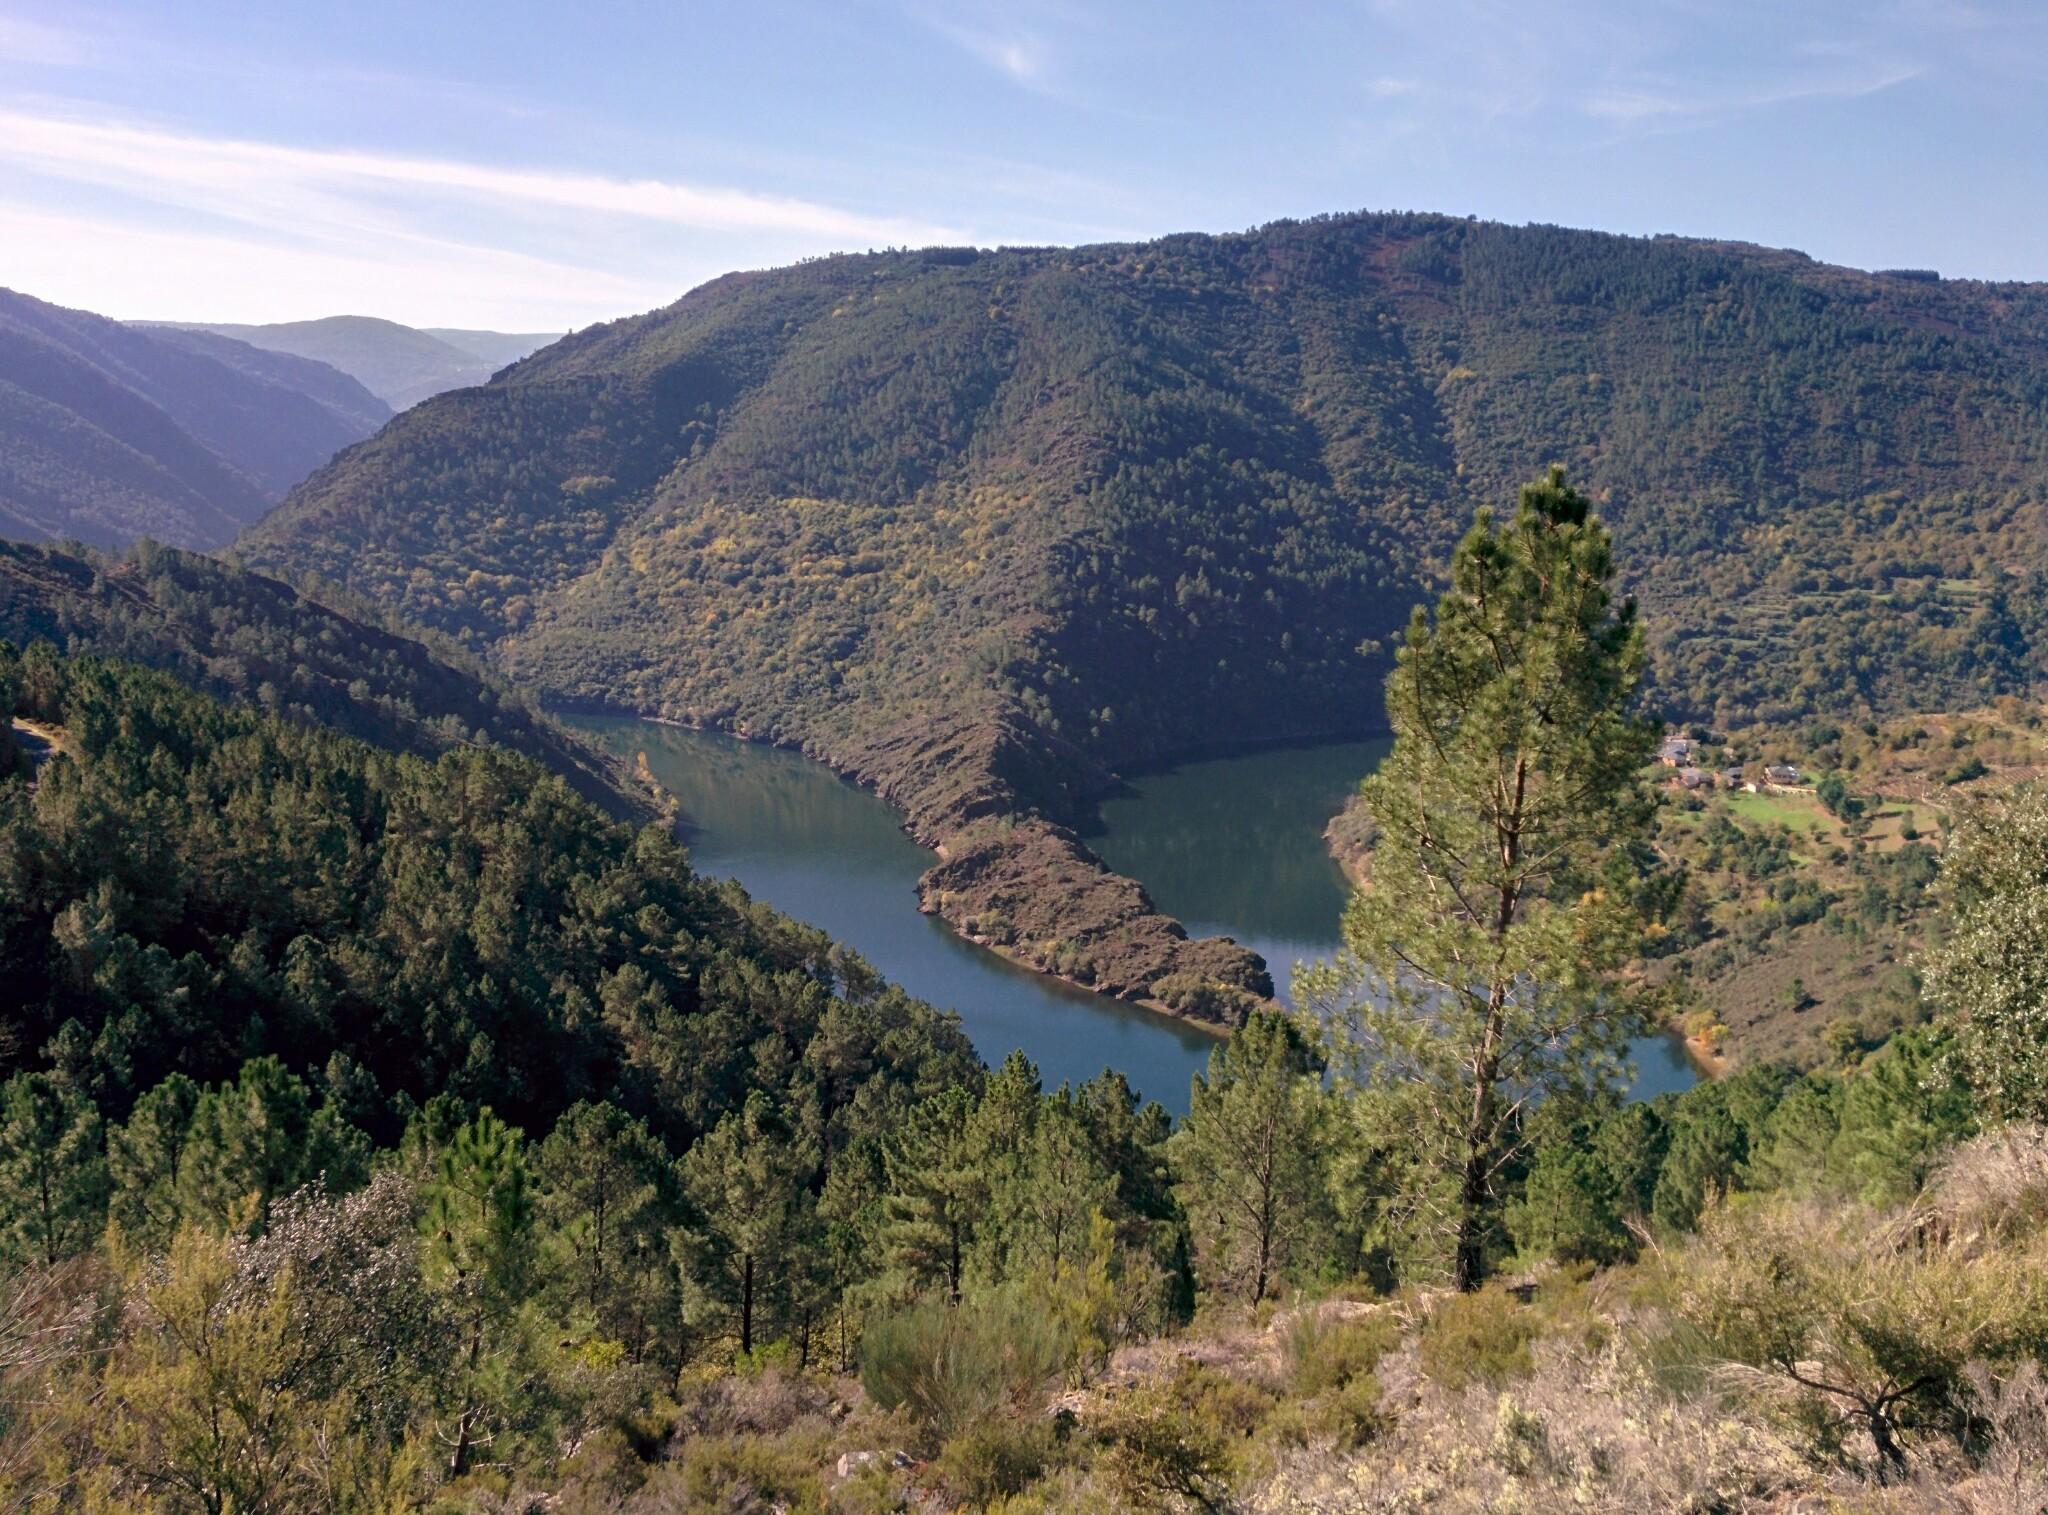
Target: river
{"points": [[1230, 846]]}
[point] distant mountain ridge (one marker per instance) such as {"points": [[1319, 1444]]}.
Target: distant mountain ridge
{"points": [[109, 432], [981, 527], [401, 365]]}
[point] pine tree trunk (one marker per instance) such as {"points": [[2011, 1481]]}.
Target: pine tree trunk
{"points": [[747, 1304], [1469, 1270], [465, 1423]]}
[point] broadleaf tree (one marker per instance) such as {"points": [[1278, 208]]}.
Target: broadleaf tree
{"points": [[1990, 974]]}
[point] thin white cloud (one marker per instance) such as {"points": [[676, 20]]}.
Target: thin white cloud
{"points": [[132, 271], [147, 161], [141, 221], [1664, 102], [1022, 57]]}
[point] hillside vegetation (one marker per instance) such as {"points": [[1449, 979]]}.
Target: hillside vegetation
{"points": [[761, 1234], [385, 1134], [247, 639], [981, 527], [109, 433]]}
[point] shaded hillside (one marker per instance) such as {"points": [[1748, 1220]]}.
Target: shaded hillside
{"points": [[976, 527], [241, 637], [108, 433], [320, 381], [400, 364]]}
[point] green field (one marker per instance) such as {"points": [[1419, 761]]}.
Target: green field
{"points": [[1802, 812]]}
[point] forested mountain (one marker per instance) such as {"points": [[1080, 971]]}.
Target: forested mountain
{"points": [[109, 433], [243, 886], [241, 637], [402, 365], [978, 527]]}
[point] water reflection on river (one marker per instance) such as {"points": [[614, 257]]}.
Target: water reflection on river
{"points": [[1231, 846]]}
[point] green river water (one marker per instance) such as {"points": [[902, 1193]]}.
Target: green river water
{"points": [[1230, 846]]}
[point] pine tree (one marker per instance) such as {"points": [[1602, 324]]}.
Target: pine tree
{"points": [[1061, 1190], [608, 1194], [749, 1178], [1990, 973], [144, 1158], [479, 1234], [1001, 1134], [258, 1138], [1252, 1157], [52, 1170], [1488, 942], [938, 1194]]}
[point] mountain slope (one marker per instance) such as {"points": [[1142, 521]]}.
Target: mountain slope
{"points": [[241, 637], [334, 389], [113, 433], [978, 527], [402, 365]]}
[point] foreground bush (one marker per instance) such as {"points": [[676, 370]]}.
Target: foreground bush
{"points": [[1863, 1327], [951, 1366]]}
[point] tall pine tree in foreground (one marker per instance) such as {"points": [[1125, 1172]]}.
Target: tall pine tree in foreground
{"points": [[1481, 967]]}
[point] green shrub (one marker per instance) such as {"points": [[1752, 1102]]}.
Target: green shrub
{"points": [[949, 1366], [995, 1457], [1481, 1337], [1325, 1354], [1177, 1440], [740, 1473]]}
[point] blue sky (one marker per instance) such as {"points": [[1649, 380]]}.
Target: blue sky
{"points": [[537, 166]]}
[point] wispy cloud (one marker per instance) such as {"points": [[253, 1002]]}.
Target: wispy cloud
{"points": [[233, 175], [130, 270], [1023, 57], [1622, 65], [1670, 100], [139, 220]]}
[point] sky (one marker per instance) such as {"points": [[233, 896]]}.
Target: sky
{"points": [[533, 165]]}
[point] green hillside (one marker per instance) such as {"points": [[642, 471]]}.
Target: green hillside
{"points": [[383, 1134], [191, 885], [244, 638], [979, 527]]}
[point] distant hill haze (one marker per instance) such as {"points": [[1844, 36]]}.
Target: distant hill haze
{"points": [[401, 365], [109, 432], [980, 527]]}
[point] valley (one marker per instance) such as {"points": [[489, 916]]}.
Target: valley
{"points": [[834, 760], [981, 530]]}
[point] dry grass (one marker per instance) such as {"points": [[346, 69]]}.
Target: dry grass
{"points": [[1991, 1189]]}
